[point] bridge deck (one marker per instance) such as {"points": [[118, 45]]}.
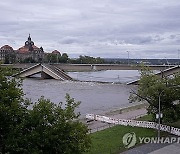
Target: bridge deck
{"points": [[166, 72], [59, 72], [90, 67], [46, 71]]}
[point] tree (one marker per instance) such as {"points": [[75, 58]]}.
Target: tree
{"points": [[46, 128], [51, 58], [12, 107], [10, 58], [64, 58], [88, 60], [6, 60], [29, 60], [151, 87], [51, 129]]}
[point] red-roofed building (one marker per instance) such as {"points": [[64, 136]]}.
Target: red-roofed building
{"points": [[6, 48], [56, 52], [27, 53], [6, 51], [29, 50]]}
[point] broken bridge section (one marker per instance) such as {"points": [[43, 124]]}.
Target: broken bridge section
{"points": [[166, 72], [46, 71]]}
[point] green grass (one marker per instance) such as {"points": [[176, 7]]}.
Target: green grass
{"points": [[175, 124], [147, 117], [110, 140]]}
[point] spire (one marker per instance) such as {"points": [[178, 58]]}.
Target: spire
{"points": [[29, 38], [29, 42]]}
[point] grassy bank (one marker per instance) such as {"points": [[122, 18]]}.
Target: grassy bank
{"points": [[176, 124], [110, 140], [149, 118]]}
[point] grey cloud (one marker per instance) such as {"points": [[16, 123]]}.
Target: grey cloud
{"points": [[105, 28], [69, 40]]}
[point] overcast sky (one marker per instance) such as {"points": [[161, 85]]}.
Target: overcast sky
{"points": [[105, 28]]}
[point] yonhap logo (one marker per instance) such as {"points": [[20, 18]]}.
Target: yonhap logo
{"points": [[129, 139]]}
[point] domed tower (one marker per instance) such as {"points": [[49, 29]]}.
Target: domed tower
{"points": [[29, 50], [29, 43]]}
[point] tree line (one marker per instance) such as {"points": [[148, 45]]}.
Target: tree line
{"points": [[39, 127], [54, 58], [160, 92]]}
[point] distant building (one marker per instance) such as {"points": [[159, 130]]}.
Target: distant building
{"points": [[5, 52], [56, 52], [52, 57], [27, 52]]}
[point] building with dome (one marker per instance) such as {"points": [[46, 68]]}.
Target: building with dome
{"points": [[28, 52]]}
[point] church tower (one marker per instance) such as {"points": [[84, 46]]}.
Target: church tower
{"points": [[29, 44]]}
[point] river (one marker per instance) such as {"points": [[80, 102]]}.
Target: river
{"points": [[95, 97]]}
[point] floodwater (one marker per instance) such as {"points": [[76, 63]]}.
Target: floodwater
{"points": [[117, 76], [95, 97]]}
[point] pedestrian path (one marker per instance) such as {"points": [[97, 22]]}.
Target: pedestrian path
{"points": [[170, 149], [133, 114], [146, 149], [155, 149]]}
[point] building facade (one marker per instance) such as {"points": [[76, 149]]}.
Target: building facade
{"points": [[29, 53], [6, 52]]}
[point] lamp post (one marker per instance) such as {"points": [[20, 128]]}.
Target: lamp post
{"points": [[167, 62], [159, 113], [178, 57], [128, 57]]}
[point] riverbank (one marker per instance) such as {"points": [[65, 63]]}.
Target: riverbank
{"points": [[131, 112], [131, 108]]}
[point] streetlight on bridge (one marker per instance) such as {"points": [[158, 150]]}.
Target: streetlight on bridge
{"points": [[128, 57], [178, 56]]}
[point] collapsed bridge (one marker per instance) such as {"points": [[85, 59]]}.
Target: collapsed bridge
{"points": [[46, 71], [166, 72]]}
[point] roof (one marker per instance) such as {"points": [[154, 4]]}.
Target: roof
{"points": [[55, 52], [35, 47], [6, 47], [25, 49]]}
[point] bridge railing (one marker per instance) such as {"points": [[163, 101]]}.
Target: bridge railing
{"points": [[134, 123]]}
